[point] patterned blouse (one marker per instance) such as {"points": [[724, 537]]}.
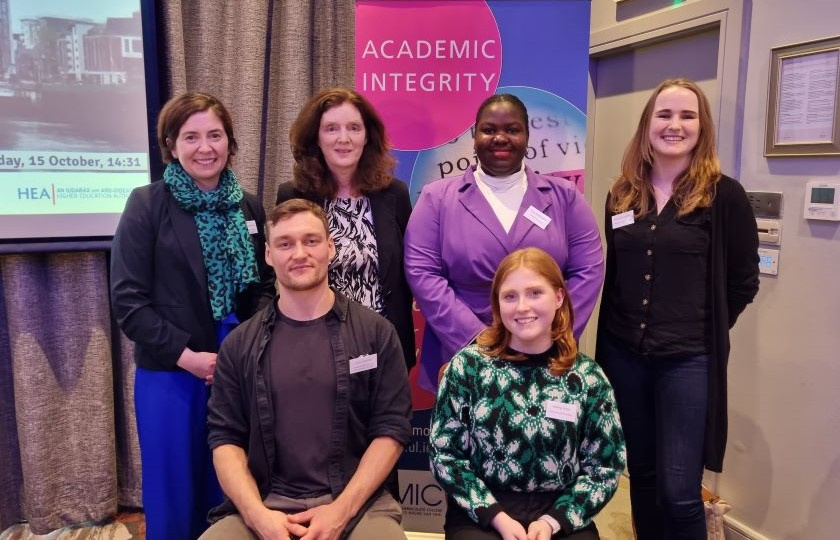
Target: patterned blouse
{"points": [[502, 425], [354, 271]]}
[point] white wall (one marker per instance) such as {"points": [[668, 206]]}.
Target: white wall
{"points": [[782, 469]]}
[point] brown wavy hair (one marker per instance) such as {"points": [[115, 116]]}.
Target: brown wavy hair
{"points": [[495, 339], [311, 174], [694, 188], [178, 110]]}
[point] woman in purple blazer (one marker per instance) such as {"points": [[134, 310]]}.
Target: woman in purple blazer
{"points": [[461, 228]]}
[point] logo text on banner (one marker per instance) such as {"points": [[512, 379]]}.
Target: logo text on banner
{"points": [[426, 66]]}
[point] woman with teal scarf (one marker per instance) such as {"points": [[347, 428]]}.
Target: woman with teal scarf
{"points": [[186, 267]]}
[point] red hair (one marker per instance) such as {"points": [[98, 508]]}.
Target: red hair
{"points": [[496, 338]]}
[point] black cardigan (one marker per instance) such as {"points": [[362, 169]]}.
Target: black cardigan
{"points": [[390, 207], [158, 281], [733, 283]]}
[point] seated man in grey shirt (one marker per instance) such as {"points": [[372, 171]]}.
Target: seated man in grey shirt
{"points": [[310, 407]]}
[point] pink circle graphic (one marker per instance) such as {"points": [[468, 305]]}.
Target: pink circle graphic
{"points": [[426, 66]]}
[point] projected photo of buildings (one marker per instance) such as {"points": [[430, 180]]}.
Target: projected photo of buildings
{"points": [[72, 76]]}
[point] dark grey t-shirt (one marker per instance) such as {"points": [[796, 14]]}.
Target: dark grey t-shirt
{"points": [[301, 372]]}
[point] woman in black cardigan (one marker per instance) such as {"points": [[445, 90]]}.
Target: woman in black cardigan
{"points": [[342, 163], [682, 264], [187, 265]]}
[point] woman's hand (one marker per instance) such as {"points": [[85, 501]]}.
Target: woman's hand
{"points": [[508, 528], [539, 530], [200, 364]]}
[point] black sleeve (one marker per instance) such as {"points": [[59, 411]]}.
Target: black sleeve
{"points": [[259, 294], [609, 272], [403, 209], [741, 237], [133, 274], [391, 397], [227, 415], [285, 191]]}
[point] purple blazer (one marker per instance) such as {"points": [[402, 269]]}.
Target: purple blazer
{"points": [[454, 242]]}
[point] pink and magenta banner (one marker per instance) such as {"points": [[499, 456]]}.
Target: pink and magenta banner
{"points": [[426, 66]]}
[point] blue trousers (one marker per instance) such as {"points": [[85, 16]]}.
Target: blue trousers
{"points": [[179, 482], [662, 404]]}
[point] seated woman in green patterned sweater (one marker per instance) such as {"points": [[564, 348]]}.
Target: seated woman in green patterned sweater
{"points": [[525, 437]]}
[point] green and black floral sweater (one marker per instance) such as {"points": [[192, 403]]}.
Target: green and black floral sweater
{"points": [[502, 425]]}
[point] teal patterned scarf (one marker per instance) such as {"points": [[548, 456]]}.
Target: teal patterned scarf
{"points": [[229, 257]]}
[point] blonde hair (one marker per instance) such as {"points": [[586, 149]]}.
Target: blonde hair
{"points": [[694, 188], [495, 339]]}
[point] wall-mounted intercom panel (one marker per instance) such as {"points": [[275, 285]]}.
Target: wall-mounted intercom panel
{"points": [[822, 200], [766, 204]]}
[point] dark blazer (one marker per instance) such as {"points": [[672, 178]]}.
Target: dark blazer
{"points": [[391, 208], [158, 281], [733, 283]]}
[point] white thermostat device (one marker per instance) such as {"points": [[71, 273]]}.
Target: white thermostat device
{"points": [[822, 200]]}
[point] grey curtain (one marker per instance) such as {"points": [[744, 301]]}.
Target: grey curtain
{"points": [[276, 55], [68, 440]]}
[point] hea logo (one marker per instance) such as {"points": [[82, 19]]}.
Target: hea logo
{"points": [[416, 494], [33, 193]]}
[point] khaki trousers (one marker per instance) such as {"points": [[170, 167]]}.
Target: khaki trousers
{"points": [[382, 521]]}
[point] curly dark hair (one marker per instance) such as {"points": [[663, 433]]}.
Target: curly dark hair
{"points": [[311, 174]]}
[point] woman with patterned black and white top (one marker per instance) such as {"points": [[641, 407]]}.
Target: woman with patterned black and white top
{"points": [[525, 438], [342, 162]]}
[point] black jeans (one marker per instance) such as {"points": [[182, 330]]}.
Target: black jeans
{"points": [[662, 405], [523, 507]]}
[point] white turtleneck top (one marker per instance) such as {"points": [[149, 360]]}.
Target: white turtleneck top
{"points": [[504, 193]]}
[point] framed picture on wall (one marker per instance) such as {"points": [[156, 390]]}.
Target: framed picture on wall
{"points": [[803, 102]]}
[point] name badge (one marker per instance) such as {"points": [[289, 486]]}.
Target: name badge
{"points": [[568, 412], [362, 363], [252, 226], [623, 219], [537, 218]]}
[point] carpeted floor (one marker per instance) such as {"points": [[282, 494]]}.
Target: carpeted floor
{"points": [[613, 523], [127, 525]]}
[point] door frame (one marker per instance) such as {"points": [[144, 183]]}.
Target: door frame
{"points": [[732, 19]]}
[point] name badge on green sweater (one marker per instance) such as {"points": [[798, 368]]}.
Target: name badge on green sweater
{"points": [[568, 412]]}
